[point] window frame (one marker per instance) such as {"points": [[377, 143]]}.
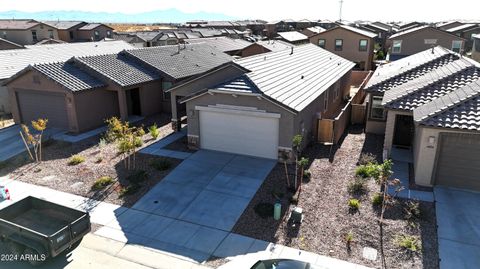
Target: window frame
{"points": [[377, 106], [399, 47], [339, 48], [34, 35], [109, 34], [166, 95], [360, 45], [50, 34], [324, 43], [325, 101], [459, 48]]}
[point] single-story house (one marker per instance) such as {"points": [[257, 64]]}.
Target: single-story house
{"points": [[428, 103], [13, 61], [94, 32], [67, 30], [233, 47], [255, 105], [79, 94], [293, 37]]}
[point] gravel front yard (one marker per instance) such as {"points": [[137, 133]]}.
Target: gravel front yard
{"points": [[99, 161], [327, 219]]}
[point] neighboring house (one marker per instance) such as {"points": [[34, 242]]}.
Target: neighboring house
{"points": [[79, 94], [410, 25], [476, 47], [8, 45], [430, 105], [256, 105], [232, 47], [275, 45], [272, 28], [49, 41], [26, 32], [13, 61], [130, 38], [67, 30], [448, 25], [168, 38], [151, 38], [466, 31], [351, 43], [418, 39], [326, 24], [293, 37], [94, 32], [382, 32], [312, 31]]}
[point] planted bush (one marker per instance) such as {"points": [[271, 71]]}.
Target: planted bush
{"points": [[129, 190], [154, 132], [408, 242], [358, 186], [161, 164], [102, 182], [354, 204], [367, 158], [377, 199], [137, 176], [412, 210], [76, 159], [367, 171]]}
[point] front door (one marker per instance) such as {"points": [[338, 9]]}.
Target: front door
{"points": [[133, 102], [404, 131]]}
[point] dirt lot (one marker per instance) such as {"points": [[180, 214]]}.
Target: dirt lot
{"points": [[56, 172], [327, 218]]}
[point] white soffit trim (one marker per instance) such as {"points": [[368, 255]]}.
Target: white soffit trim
{"points": [[247, 112]]}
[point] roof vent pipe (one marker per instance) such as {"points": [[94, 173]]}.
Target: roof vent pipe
{"points": [[291, 51], [433, 50]]}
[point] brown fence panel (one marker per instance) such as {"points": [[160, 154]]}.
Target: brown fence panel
{"points": [[358, 113], [325, 131], [341, 122]]}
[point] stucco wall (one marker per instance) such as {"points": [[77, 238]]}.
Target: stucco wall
{"points": [[89, 35], [4, 100], [415, 42], [390, 128], [151, 98], [351, 42], [24, 37], [425, 154], [93, 107], [286, 118]]}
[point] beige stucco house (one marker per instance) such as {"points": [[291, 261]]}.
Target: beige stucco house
{"points": [[428, 104], [26, 32]]}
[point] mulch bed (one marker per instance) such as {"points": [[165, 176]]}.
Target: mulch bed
{"points": [[56, 173], [327, 218]]}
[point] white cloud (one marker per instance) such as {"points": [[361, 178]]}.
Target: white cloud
{"points": [[425, 10]]}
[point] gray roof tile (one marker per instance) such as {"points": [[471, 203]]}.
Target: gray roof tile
{"points": [[222, 43], [63, 25], [181, 61], [123, 70], [69, 76]]}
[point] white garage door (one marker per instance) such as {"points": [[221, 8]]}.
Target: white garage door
{"points": [[33, 105], [254, 133]]}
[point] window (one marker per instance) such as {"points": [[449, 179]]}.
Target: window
{"points": [[50, 34], [338, 44], [71, 34], [34, 35], [377, 112], [109, 34], [397, 46], [97, 35], [165, 86], [363, 45], [457, 45], [325, 101], [4, 34], [321, 43]]}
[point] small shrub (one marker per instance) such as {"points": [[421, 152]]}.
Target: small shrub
{"points": [[138, 142], [102, 183], [377, 199], [102, 143], [294, 198], [99, 160], [358, 186], [408, 242], [367, 158], [354, 204], [161, 164], [307, 174], [137, 176], [76, 159], [129, 190], [349, 237], [367, 171], [153, 131], [412, 210], [264, 210]]}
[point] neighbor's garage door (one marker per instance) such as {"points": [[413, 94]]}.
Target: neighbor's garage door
{"points": [[254, 135], [43, 105], [458, 163]]}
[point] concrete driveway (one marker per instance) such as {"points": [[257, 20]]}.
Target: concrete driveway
{"points": [[458, 220], [192, 210]]}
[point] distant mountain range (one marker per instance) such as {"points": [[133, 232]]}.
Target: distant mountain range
{"points": [[157, 16]]}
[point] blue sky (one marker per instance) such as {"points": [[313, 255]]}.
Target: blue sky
{"points": [[425, 10]]}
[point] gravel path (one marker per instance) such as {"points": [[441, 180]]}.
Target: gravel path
{"points": [[327, 217], [55, 172]]}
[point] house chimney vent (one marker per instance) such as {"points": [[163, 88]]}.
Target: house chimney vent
{"points": [[291, 51]]}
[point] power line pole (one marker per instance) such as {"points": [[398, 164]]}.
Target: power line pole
{"points": [[341, 4]]}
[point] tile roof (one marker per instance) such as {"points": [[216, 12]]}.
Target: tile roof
{"points": [[181, 61], [408, 31], [207, 32], [401, 71], [50, 41], [69, 76], [432, 85], [275, 45], [222, 43], [238, 84], [148, 36], [459, 109], [120, 68], [12, 61], [63, 25], [295, 80], [11, 43], [358, 31], [461, 27], [17, 24], [90, 26], [292, 36], [316, 29]]}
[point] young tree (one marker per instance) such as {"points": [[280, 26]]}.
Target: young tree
{"points": [[128, 139], [303, 162], [33, 141], [297, 145]]}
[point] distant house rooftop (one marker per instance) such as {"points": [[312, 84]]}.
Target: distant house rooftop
{"points": [[292, 36], [63, 25], [275, 45], [222, 43], [17, 24]]}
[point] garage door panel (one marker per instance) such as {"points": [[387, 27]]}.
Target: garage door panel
{"points": [[51, 106], [241, 134], [458, 164]]}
